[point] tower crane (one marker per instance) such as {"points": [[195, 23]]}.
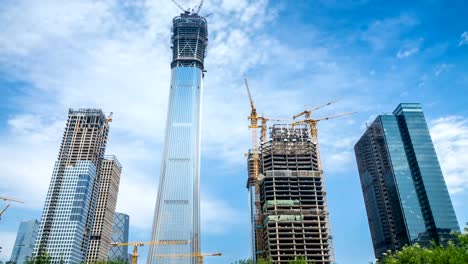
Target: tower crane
{"points": [[6, 199], [149, 243], [253, 126], [264, 121], [178, 5], [308, 112], [109, 117], [199, 6], [200, 256], [188, 10], [313, 124]]}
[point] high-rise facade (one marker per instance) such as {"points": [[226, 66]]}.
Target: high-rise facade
{"points": [[177, 212], [404, 190], [24, 243], [293, 219], [69, 209], [101, 234], [120, 235]]}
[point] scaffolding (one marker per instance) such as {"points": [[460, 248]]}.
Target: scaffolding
{"points": [[291, 216]]}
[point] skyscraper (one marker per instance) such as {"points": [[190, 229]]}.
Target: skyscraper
{"points": [[24, 243], [177, 212], [69, 209], [293, 219], [404, 190], [101, 234], [120, 235]]}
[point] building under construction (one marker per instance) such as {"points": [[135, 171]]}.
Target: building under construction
{"points": [[67, 219], [290, 215]]}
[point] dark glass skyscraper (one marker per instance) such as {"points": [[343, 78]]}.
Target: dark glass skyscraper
{"points": [[177, 213], [406, 197]]}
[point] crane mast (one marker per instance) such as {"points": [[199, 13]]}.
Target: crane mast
{"points": [[253, 126]]}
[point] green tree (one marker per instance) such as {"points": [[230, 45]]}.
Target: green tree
{"points": [[298, 261], [455, 252]]}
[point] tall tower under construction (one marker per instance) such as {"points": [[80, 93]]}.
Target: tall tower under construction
{"points": [[101, 233], [289, 214], [177, 212], [69, 210]]}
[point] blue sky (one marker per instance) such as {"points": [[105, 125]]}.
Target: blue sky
{"points": [[115, 55]]}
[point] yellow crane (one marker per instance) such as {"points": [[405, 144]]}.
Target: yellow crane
{"points": [[253, 117], [313, 124], [200, 256], [264, 121], [7, 199], [149, 243], [308, 112]]}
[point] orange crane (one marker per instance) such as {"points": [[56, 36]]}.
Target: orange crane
{"points": [[6, 199], [109, 117], [200, 256], [150, 243]]}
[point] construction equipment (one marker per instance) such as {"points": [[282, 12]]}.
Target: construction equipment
{"points": [[308, 112], [313, 124], [178, 5], [6, 199], [253, 126], [199, 6], [200, 256], [149, 243], [188, 10], [264, 121], [109, 117]]}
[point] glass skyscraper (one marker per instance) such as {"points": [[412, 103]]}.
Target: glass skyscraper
{"points": [[24, 243], [120, 235], [177, 212], [406, 197], [69, 210]]}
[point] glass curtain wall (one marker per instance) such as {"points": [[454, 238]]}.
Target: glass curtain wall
{"points": [[177, 209]]}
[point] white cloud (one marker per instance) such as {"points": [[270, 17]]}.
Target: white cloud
{"points": [[440, 68], [7, 241], [463, 39], [217, 216], [103, 56], [407, 52], [450, 136], [385, 32], [88, 54]]}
